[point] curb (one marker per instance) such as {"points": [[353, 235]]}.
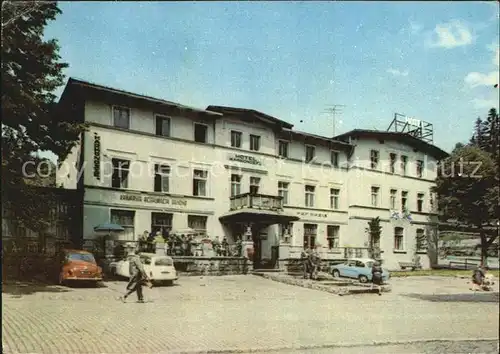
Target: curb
{"points": [[332, 289], [336, 346]]}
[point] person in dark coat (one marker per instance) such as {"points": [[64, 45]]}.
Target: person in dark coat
{"points": [[377, 276], [478, 276], [137, 278]]}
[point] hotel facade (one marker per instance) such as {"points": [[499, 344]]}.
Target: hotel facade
{"points": [[153, 165]]}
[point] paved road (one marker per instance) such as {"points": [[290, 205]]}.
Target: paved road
{"points": [[243, 312]]}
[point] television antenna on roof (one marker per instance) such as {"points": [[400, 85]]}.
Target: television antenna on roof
{"points": [[334, 110]]}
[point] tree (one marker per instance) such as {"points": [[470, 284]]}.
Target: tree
{"points": [[31, 71], [480, 136], [492, 131], [374, 230], [468, 192]]}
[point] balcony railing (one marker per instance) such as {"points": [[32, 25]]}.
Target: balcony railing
{"points": [[256, 201]]}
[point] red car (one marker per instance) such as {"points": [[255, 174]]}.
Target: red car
{"points": [[76, 265]]}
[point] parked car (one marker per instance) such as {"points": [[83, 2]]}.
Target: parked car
{"points": [[158, 268], [72, 265], [357, 268]]}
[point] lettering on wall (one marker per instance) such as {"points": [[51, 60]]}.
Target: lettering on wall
{"points": [[318, 215], [97, 156], [245, 159], [154, 199]]}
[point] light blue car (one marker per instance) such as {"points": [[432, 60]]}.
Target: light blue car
{"points": [[357, 268]]}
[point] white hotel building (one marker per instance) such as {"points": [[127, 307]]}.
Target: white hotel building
{"points": [[149, 164]]}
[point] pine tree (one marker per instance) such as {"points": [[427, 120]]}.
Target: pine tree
{"points": [[493, 133], [479, 137]]}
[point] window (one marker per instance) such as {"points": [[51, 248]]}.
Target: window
{"points": [[198, 223], [421, 240], [404, 201], [200, 183], [121, 117], [286, 230], [119, 178], [161, 222], [334, 198], [124, 218], [392, 166], [162, 178], [309, 196], [162, 125], [200, 133], [334, 158], [254, 142], [404, 162], [420, 202], [374, 159], [375, 191], [420, 168], [254, 185], [283, 191], [310, 233], [164, 261], [398, 238], [332, 236], [236, 139], [392, 200], [235, 185], [283, 148], [310, 152]]}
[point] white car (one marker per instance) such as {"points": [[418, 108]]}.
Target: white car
{"points": [[158, 268]]}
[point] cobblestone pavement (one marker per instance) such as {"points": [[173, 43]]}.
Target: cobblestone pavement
{"points": [[243, 313]]}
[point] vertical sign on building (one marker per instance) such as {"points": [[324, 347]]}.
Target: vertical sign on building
{"points": [[97, 156]]}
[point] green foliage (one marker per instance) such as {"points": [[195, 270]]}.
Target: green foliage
{"points": [[374, 231], [468, 181], [31, 71], [465, 184]]}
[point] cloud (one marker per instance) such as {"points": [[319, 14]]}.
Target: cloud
{"points": [[397, 72], [451, 35], [476, 79]]}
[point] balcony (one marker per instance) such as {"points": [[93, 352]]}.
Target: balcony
{"points": [[256, 201]]}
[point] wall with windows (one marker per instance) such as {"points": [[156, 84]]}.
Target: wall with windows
{"points": [[155, 123], [204, 163]]}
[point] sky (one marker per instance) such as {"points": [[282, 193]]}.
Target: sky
{"points": [[433, 61]]}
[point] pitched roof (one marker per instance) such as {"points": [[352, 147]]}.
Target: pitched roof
{"points": [[77, 86], [242, 112], [399, 137]]}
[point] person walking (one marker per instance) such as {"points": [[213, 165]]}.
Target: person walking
{"points": [[377, 277], [137, 278], [305, 255]]}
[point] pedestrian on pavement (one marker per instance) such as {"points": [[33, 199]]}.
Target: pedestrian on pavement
{"points": [[478, 276], [377, 277], [138, 277], [305, 261]]}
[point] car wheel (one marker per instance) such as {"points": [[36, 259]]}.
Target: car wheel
{"points": [[336, 273], [363, 279]]}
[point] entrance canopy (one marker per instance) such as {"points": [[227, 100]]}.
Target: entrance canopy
{"points": [[250, 215]]}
